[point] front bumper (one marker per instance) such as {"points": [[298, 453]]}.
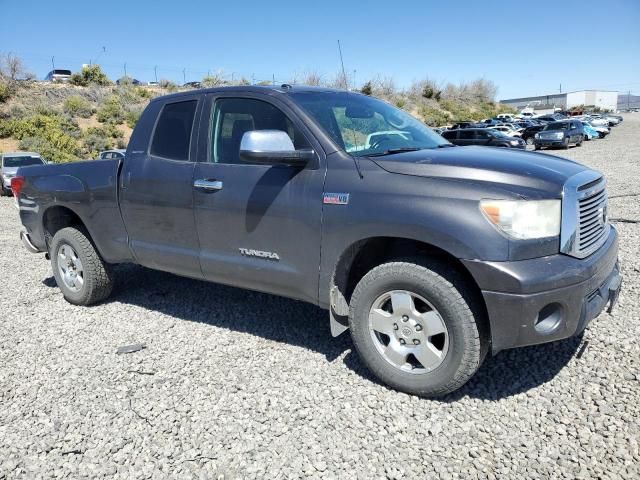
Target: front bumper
{"points": [[546, 299], [542, 142]]}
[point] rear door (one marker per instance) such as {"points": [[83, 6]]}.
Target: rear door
{"points": [[260, 229], [156, 188]]}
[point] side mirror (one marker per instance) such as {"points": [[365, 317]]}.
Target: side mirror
{"points": [[272, 147]]}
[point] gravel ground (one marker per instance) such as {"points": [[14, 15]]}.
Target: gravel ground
{"points": [[236, 384]]}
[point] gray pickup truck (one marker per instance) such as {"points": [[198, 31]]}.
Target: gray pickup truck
{"points": [[432, 255]]}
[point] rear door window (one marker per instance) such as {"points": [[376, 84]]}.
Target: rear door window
{"points": [[172, 135]]}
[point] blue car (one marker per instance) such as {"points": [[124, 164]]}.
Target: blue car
{"points": [[589, 131]]}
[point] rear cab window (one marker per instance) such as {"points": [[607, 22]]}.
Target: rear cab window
{"points": [[172, 134]]}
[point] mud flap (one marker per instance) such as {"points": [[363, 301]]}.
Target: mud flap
{"points": [[338, 313]]}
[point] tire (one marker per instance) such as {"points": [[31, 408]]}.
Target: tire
{"points": [[529, 140], [433, 286], [72, 252], [4, 192], [565, 145], [536, 147], [579, 144]]}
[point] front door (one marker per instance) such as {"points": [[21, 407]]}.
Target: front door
{"points": [[258, 225], [156, 195]]}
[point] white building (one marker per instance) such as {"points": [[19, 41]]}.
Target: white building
{"points": [[605, 99]]}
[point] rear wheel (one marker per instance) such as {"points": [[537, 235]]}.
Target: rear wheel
{"points": [[4, 191], [579, 144], [565, 143], [536, 147], [82, 276], [414, 329], [529, 140]]}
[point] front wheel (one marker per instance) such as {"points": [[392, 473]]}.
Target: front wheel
{"points": [[414, 328], [81, 274], [529, 140]]}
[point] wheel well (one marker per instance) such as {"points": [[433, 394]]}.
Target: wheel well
{"points": [[57, 218], [367, 254]]}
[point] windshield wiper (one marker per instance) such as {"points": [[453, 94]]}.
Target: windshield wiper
{"points": [[391, 151]]}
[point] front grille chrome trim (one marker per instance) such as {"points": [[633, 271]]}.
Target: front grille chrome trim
{"points": [[584, 201]]}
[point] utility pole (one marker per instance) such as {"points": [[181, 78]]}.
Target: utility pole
{"points": [[344, 75], [53, 63], [184, 76], [125, 69], [253, 79], [273, 79], [155, 71], [560, 88]]}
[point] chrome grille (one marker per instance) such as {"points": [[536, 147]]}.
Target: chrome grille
{"points": [[584, 214], [593, 220]]}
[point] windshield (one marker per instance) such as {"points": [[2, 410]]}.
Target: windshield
{"points": [[22, 161], [557, 126], [363, 126]]}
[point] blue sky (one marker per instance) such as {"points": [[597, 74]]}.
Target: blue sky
{"points": [[526, 48]]}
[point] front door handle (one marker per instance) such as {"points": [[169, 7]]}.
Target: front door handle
{"points": [[208, 185]]}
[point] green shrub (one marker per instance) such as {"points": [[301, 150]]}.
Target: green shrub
{"points": [[168, 85], [48, 149], [108, 130], [433, 116], [94, 144], [367, 88], [79, 106], [90, 75], [132, 117], [48, 135], [5, 91], [212, 81], [400, 102], [111, 111]]}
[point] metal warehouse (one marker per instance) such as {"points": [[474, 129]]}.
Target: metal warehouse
{"points": [[605, 99]]}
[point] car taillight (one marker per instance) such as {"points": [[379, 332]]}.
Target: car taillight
{"points": [[16, 185]]}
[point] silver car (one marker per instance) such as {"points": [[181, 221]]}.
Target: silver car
{"points": [[117, 153], [9, 164]]}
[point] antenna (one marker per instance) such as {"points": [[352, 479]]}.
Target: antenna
{"points": [[344, 75]]}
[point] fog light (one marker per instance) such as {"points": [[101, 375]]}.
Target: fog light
{"points": [[549, 319]]}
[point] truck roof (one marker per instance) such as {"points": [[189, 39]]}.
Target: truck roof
{"points": [[283, 89]]}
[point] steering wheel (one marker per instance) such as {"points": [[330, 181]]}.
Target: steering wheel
{"points": [[378, 144]]}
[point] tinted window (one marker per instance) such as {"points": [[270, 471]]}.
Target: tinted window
{"points": [[467, 134], [172, 135], [449, 135], [23, 161], [233, 117]]}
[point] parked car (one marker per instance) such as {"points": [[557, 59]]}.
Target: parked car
{"points": [[58, 75], [117, 153], [595, 120], [153, 84], [464, 125], [560, 134], [553, 117], [508, 131], [528, 133], [589, 131], [431, 255], [9, 164], [193, 84], [482, 136], [602, 131]]}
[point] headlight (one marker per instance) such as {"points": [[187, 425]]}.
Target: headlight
{"points": [[524, 219], [514, 142], [537, 135]]}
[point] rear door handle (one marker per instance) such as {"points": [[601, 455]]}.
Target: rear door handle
{"points": [[207, 185]]}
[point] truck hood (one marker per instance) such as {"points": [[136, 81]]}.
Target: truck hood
{"points": [[506, 167], [9, 170]]}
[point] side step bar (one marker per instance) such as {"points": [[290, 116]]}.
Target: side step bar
{"points": [[26, 241]]}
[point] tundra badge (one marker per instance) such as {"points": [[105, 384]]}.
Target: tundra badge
{"points": [[249, 252]]}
